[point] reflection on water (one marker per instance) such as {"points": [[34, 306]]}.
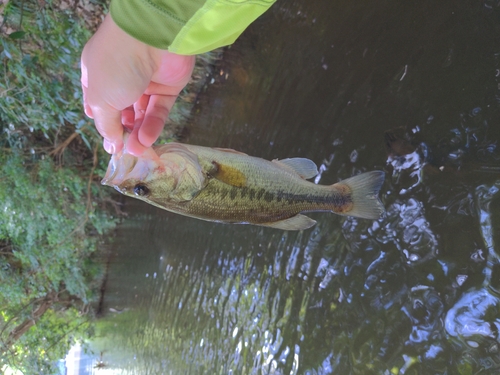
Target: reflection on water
{"points": [[474, 320], [412, 88]]}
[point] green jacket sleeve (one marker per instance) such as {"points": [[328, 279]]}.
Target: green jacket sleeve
{"points": [[186, 27]]}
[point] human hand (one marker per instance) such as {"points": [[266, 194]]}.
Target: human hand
{"points": [[127, 83]]}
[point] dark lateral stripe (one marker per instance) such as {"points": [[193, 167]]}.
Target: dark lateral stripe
{"points": [[251, 194], [268, 197], [223, 193], [244, 192], [260, 193], [233, 193], [338, 201], [333, 202]]}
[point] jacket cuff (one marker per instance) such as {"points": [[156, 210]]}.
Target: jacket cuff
{"points": [[146, 21]]}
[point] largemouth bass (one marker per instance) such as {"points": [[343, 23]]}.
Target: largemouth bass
{"points": [[228, 186]]}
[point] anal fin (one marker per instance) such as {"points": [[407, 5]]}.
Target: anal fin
{"points": [[297, 222]]}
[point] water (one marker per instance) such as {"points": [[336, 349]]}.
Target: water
{"points": [[408, 87]]}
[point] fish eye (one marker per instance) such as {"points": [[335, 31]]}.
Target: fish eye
{"points": [[141, 190]]}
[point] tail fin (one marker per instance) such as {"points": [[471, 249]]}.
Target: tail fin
{"points": [[365, 188]]}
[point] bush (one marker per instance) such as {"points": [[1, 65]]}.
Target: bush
{"points": [[52, 213], [40, 84]]}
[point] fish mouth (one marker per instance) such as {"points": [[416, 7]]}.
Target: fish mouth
{"points": [[119, 167], [124, 166]]}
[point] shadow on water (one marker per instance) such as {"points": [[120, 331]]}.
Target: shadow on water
{"points": [[411, 88]]}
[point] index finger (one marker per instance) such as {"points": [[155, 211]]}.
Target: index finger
{"points": [[149, 128]]}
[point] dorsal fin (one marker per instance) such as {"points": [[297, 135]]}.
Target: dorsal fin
{"points": [[305, 168], [227, 174]]}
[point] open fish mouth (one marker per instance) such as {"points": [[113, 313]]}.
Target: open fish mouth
{"points": [[124, 166], [119, 168]]}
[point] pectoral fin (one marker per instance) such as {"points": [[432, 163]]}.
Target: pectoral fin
{"points": [[297, 222], [227, 174], [305, 168]]}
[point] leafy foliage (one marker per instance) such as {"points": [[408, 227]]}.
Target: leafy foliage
{"points": [[44, 218], [40, 79], [49, 235], [36, 351], [52, 212]]}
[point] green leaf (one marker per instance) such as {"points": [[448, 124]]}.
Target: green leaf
{"points": [[17, 35]]}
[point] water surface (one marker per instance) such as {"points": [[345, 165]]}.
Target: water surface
{"points": [[411, 88]]}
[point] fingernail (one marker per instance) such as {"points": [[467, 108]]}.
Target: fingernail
{"points": [[108, 146]]}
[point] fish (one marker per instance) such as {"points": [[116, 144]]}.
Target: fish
{"points": [[228, 186]]}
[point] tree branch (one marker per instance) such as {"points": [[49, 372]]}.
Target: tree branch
{"points": [[22, 328]]}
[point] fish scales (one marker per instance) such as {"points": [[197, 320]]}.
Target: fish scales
{"points": [[271, 193], [228, 186], [237, 205]]}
